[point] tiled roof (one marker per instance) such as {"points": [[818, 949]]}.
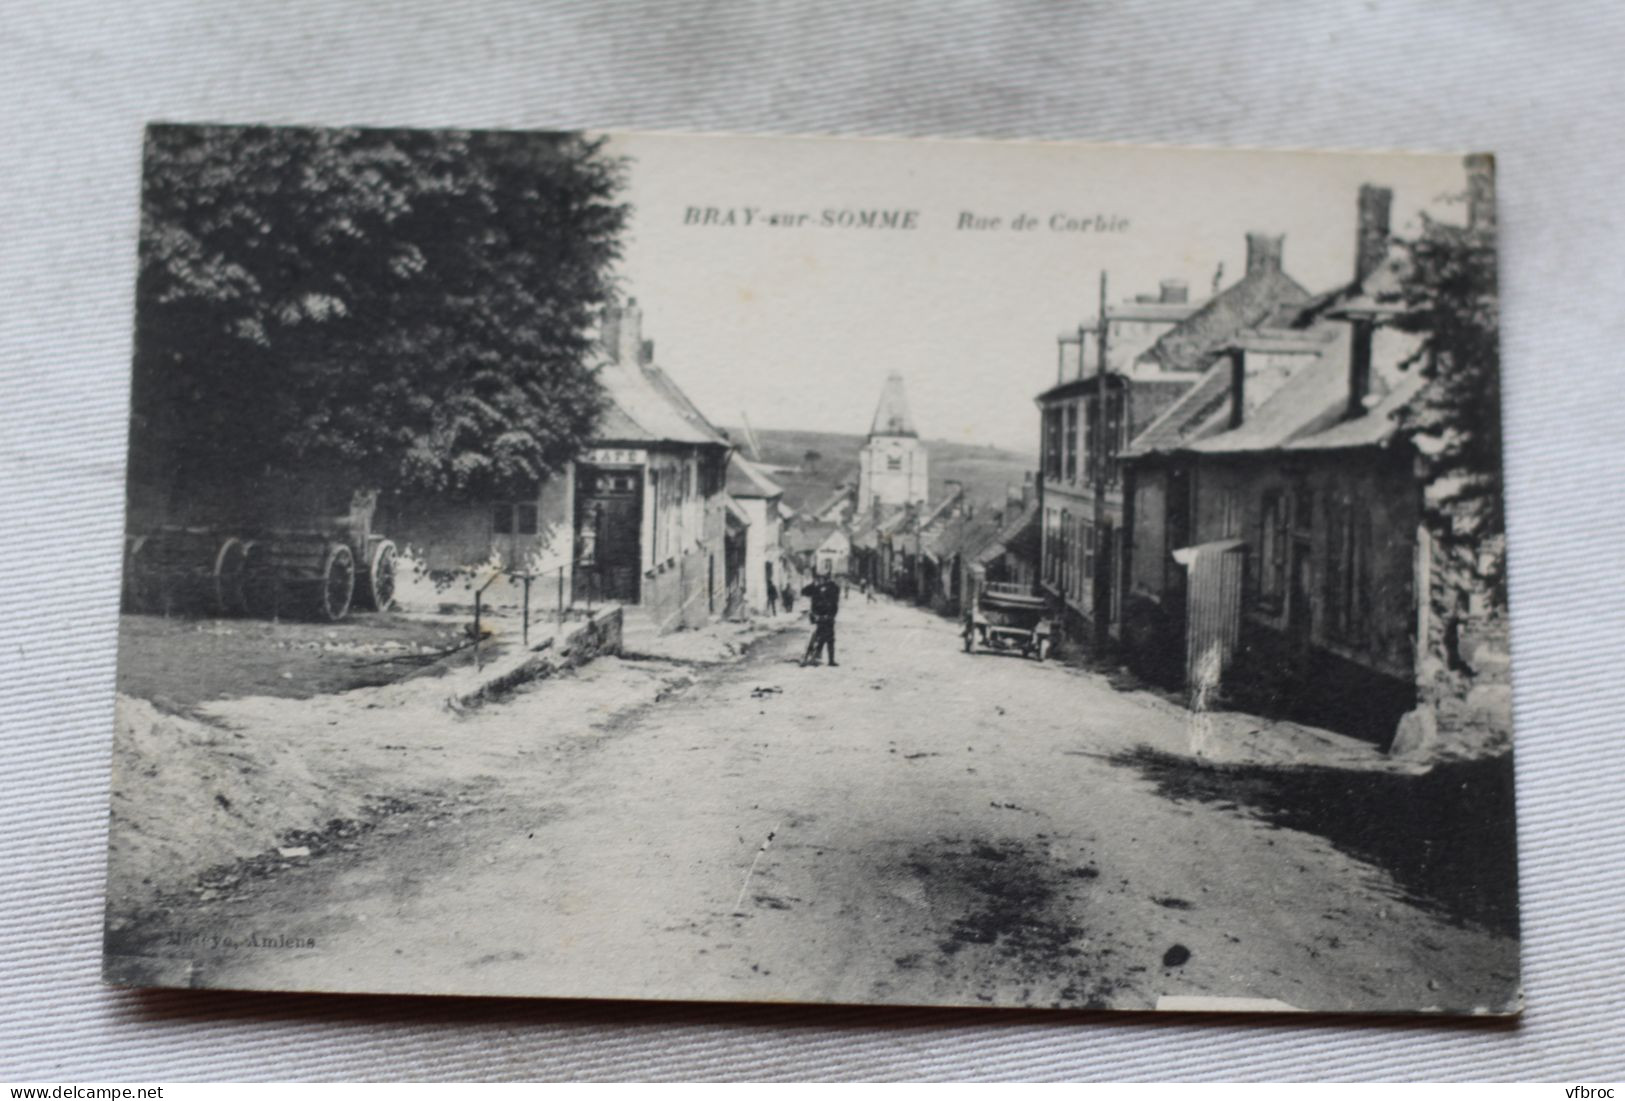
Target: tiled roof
{"points": [[1186, 417], [1379, 425], [1312, 399], [645, 406], [808, 536], [1255, 299], [746, 479], [1015, 530]]}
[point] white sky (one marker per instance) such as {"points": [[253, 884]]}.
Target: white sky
{"points": [[798, 327]]}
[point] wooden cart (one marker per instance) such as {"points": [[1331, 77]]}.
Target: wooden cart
{"points": [[317, 573]]}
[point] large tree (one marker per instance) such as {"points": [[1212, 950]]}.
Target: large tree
{"points": [[1448, 295], [404, 310]]}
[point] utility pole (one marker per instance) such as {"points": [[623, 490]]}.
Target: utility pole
{"points": [[1100, 608]]}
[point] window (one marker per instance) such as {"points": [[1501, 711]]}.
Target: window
{"points": [[1052, 444], [894, 461], [1303, 511], [1088, 540], [1114, 433], [1072, 442], [1272, 553], [1051, 545], [514, 518], [1229, 515], [1348, 569]]}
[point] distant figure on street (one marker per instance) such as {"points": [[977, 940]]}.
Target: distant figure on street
{"points": [[824, 600], [772, 599], [868, 592], [789, 595]]}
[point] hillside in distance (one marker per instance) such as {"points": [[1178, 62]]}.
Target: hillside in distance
{"points": [[811, 465]]}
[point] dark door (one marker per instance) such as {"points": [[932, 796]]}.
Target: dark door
{"points": [[1177, 526], [1300, 615], [609, 520]]}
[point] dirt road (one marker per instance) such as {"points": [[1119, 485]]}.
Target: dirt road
{"points": [[916, 826]]}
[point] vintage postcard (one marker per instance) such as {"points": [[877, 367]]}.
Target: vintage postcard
{"points": [[766, 569]]}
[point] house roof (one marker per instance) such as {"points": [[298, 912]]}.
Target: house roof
{"points": [[1204, 410], [644, 405], [1379, 425], [1313, 398], [747, 479], [963, 535], [1021, 527], [810, 536], [1188, 416], [1257, 298], [844, 495], [1309, 410]]}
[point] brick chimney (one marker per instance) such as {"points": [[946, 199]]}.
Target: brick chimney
{"points": [[1264, 252], [1480, 191], [1175, 290], [1371, 243], [1238, 387], [621, 332], [1370, 250]]}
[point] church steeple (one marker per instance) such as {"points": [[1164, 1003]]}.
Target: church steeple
{"points": [[891, 415], [893, 467]]}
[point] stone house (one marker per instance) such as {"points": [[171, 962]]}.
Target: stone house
{"points": [[1157, 349], [647, 499]]}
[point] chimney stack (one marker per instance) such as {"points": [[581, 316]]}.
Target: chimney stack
{"points": [[621, 332], [1175, 290], [1480, 191], [1371, 244], [1264, 252], [1238, 387]]}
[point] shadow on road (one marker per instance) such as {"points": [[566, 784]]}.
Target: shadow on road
{"points": [[1448, 836]]}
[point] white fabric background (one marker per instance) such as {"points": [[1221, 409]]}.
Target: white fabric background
{"points": [[1541, 85]]}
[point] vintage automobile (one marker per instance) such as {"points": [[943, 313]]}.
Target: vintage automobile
{"points": [[1008, 617]]}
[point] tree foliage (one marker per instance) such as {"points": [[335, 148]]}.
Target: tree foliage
{"points": [[404, 310], [1449, 297]]}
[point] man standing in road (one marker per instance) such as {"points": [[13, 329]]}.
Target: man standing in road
{"points": [[824, 601]]}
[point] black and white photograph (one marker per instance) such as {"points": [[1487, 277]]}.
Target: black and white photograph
{"points": [[621, 565]]}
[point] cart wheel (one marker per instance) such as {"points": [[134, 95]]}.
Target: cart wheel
{"points": [[377, 591], [230, 571], [337, 584]]}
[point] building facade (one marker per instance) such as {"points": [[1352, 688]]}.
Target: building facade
{"points": [[1156, 349], [893, 466], [648, 497], [759, 498]]}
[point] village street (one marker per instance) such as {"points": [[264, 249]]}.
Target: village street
{"points": [[918, 825]]}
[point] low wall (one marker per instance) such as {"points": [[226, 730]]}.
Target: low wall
{"points": [[599, 634]]}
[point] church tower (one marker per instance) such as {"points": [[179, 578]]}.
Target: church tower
{"points": [[892, 465]]}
